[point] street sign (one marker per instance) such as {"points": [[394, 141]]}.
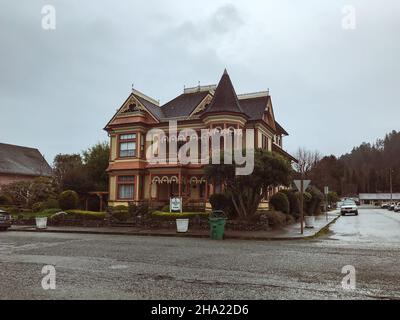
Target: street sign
{"points": [[306, 183], [175, 204], [326, 190]]}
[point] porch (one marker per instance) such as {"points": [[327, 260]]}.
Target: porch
{"points": [[192, 188]]}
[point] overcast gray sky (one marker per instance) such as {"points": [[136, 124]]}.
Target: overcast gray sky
{"points": [[332, 88]]}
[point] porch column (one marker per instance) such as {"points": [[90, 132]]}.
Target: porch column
{"points": [[101, 201], [150, 184], [138, 151], [180, 184], [138, 186], [187, 186]]}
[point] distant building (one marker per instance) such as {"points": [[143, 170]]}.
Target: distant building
{"points": [[378, 198], [21, 164]]}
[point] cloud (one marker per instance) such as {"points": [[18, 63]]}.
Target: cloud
{"points": [[58, 89]]}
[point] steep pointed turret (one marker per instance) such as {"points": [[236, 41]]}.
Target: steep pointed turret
{"points": [[225, 98]]}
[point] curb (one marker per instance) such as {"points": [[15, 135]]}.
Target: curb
{"points": [[183, 235]]}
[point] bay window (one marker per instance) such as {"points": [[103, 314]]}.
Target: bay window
{"points": [[127, 145], [126, 187]]}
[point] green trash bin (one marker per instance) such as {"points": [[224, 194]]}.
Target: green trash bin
{"points": [[217, 223]]}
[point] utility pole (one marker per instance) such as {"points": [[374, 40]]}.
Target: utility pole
{"points": [[391, 185]]}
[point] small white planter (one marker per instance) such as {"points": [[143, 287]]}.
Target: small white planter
{"points": [[41, 223], [182, 225], [309, 221]]}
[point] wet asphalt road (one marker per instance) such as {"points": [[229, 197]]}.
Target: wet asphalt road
{"points": [[129, 267]]}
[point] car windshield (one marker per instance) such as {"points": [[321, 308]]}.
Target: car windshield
{"points": [[349, 203]]}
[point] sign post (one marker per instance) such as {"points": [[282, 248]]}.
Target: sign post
{"points": [[326, 191], [175, 204], [302, 185]]}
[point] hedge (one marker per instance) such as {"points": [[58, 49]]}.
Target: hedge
{"points": [[219, 201], [87, 215], [280, 202], [5, 200], [68, 200], [177, 215], [294, 202]]}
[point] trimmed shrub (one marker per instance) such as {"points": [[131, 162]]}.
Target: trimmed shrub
{"points": [[120, 213], [294, 202], [68, 200], [280, 202], [51, 204], [121, 216], [85, 215], [37, 207], [307, 198], [193, 208], [5, 200], [333, 197], [142, 209], [120, 209], [290, 219], [276, 218], [13, 210], [314, 205], [175, 215], [132, 209], [219, 201], [59, 216], [80, 215]]}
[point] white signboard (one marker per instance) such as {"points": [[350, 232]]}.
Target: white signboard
{"points": [[326, 190], [306, 183], [175, 204]]}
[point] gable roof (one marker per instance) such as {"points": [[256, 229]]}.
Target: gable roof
{"points": [[22, 161], [183, 105], [254, 107], [155, 110], [225, 98], [280, 129]]}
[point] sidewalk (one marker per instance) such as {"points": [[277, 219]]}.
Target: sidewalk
{"points": [[288, 233]]}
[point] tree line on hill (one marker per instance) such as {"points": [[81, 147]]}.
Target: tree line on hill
{"points": [[366, 169]]}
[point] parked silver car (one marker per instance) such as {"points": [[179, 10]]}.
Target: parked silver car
{"points": [[349, 207], [397, 207], [385, 205], [5, 220]]}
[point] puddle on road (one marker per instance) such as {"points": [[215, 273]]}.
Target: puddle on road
{"points": [[119, 267]]}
